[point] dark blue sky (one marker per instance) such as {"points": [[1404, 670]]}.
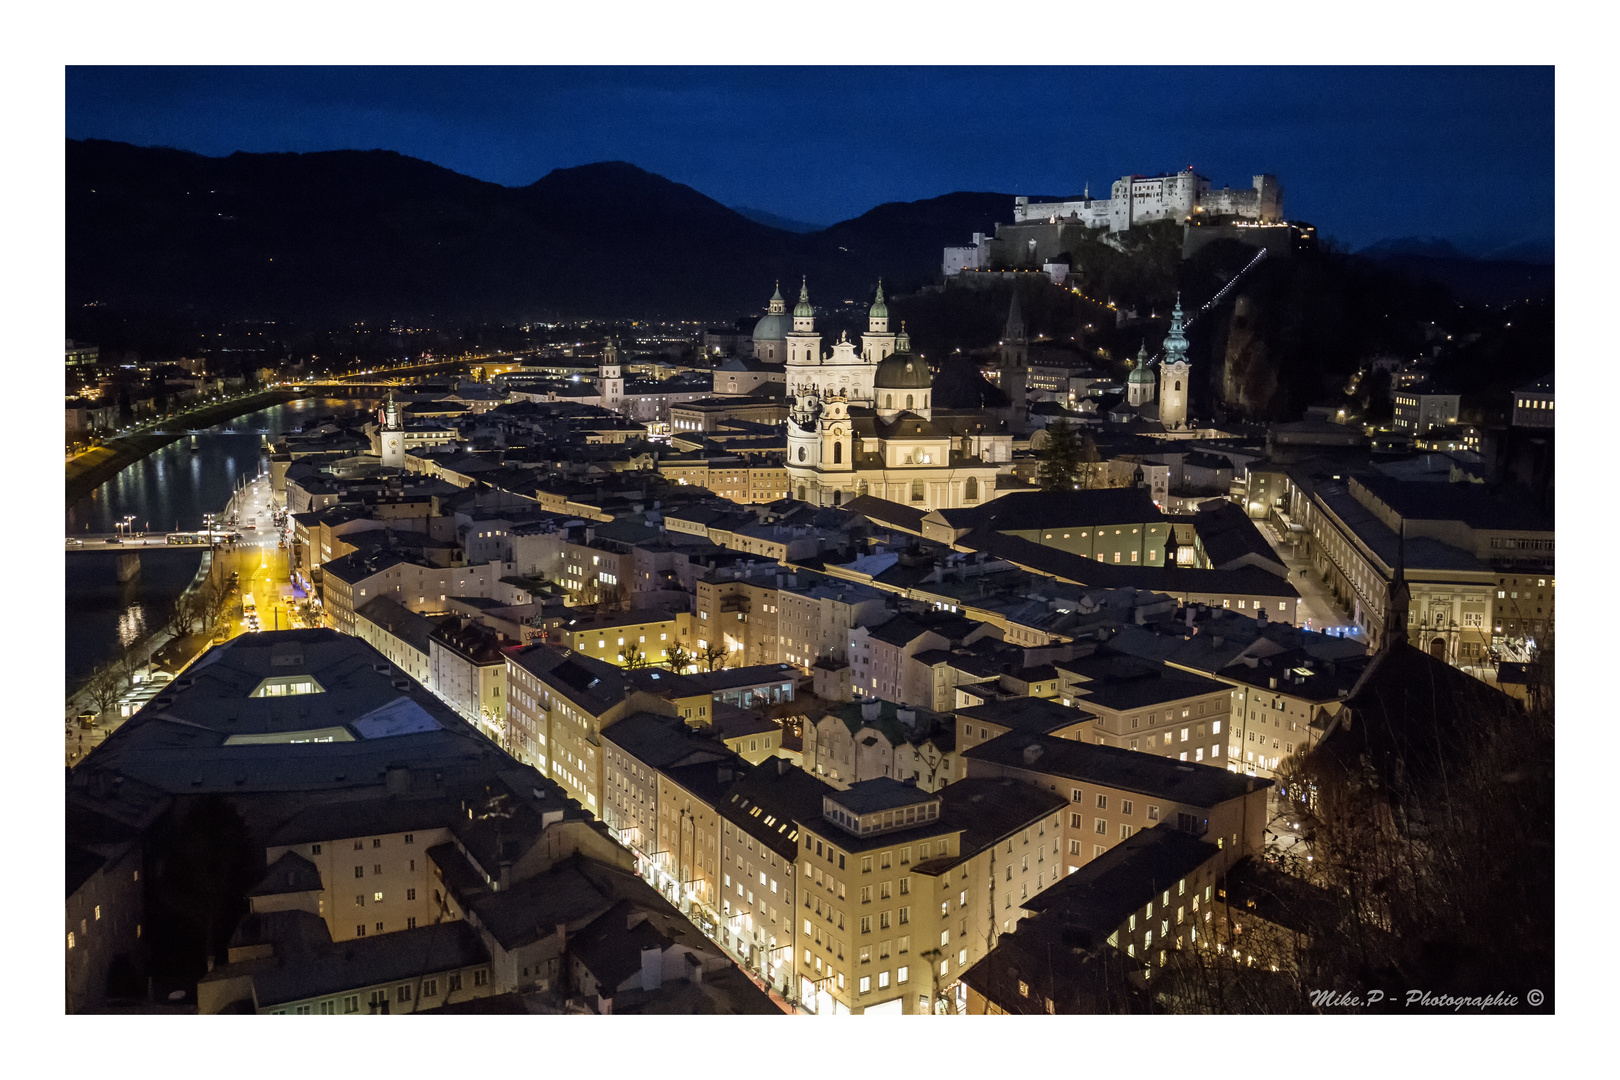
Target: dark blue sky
{"points": [[1364, 153]]}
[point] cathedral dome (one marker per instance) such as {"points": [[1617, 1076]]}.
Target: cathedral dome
{"points": [[902, 371], [1141, 373], [772, 328]]}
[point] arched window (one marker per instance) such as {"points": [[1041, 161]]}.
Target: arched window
{"points": [[970, 490], [838, 453], [908, 401], [801, 458], [916, 491], [801, 493], [925, 401], [888, 401], [838, 497], [1178, 384]]}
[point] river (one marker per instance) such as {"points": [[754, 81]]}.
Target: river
{"points": [[169, 489]]}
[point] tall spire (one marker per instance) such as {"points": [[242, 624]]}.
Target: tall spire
{"points": [[804, 310], [1399, 605], [1175, 342], [1014, 330], [880, 310], [778, 306]]}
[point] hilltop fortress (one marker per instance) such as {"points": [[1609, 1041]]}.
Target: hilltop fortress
{"points": [[1036, 233], [1182, 196]]}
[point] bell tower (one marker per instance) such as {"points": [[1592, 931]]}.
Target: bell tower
{"points": [[1174, 383], [609, 379], [1015, 364], [392, 437]]}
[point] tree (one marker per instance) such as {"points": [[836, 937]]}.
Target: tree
{"points": [[714, 657], [105, 687], [182, 613], [1091, 470], [678, 658], [632, 657], [1060, 458]]}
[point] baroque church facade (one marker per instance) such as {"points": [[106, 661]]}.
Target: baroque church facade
{"points": [[863, 421]]}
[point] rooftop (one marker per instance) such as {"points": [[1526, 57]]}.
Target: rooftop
{"points": [[1125, 770]]}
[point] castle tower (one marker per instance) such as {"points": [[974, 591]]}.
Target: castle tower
{"points": [[609, 380], [1174, 381], [1139, 384], [877, 342], [1015, 363], [392, 436]]}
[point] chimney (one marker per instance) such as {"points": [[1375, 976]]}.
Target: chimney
{"points": [[652, 965], [694, 970], [1032, 753], [871, 710], [1274, 682], [906, 716]]}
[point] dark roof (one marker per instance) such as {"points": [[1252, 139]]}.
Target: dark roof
{"points": [[1228, 533], [322, 969], [1104, 891], [988, 810], [1409, 713], [775, 789], [734, 678], [1127, 770], [1028, 714], [885, 512], [610, 950], [1022, 511], [406, 625], [880, 793], [1280, 898], [532, 908], [1472, 504], [324, 822], [292, 873], [660, 742]]}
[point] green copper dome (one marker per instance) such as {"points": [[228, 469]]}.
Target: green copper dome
{"points": [[803, 310], [1140, 373], [879, 309], [902, 371]]}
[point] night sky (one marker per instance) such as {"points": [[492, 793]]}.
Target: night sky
{"points": [[1363, 153]]}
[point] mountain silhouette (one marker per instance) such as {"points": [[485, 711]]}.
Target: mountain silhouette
{"points": [[372, 234]]}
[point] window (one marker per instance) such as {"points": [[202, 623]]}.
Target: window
{"points": [[866, 924], [351, 1004], [903, 975], [1076, 820], [1102, 802], [1124, 832], [70, 939], [377, 896], [1074, 794], [359, 871], [430, 988], [360, 930], [866, 984], [402, 993], [379, 928], [905, 917], [376, 868], [1102, 827], [454, 983], [1125, 806], [314, 849]]}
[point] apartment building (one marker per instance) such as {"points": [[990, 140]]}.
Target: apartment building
{"points": [[1153, 708], [371, 857], [868, 739], [1115, 793], [759, 848], [901, 889]]}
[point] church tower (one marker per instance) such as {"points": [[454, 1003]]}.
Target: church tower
{"points": [[1174, 383], [392, 436], [1139, 384], [609, 380], [877, 342], [1398, 603], [1015, 364]]}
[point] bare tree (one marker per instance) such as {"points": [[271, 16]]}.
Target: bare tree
{"points": [[105, 687], [714, 657], [678, 658], [632, 657]]}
